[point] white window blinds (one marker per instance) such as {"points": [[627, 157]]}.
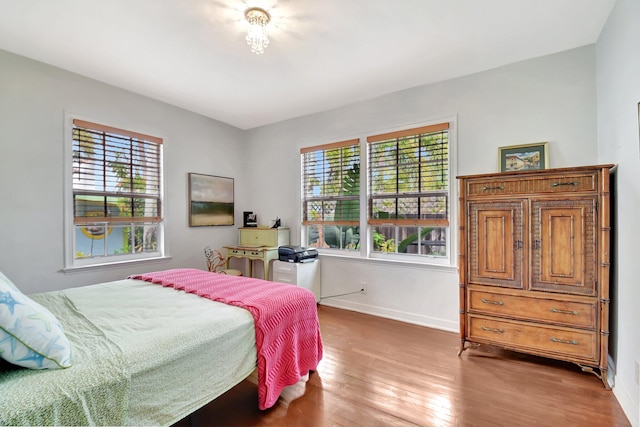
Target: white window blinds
{"points": [[116, 175], [409, 177], [331, 183]]}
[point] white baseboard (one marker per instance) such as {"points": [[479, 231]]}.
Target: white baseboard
{"points": [[402, 316], [630, 408], [627, 404]]}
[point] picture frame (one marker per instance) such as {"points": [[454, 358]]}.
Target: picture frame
{"points": [[211, 200], [250, 219], [523, 157]]}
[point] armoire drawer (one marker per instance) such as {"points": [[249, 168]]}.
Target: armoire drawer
{"points": [[534, 338], [562, 312], [561, 183]]}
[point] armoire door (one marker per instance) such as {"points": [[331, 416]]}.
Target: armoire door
{"points": [[563, 246], [496, 243]]}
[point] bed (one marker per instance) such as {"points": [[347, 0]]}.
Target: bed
{"points": [[153, 348]]}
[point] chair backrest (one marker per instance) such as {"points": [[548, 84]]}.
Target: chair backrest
{"points": [[215, 260]]}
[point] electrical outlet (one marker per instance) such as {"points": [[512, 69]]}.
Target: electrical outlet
{"points": [[363, 288], [637, 373]]}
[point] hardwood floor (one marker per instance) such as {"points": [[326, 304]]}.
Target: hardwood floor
{"points": [[380, 372]]}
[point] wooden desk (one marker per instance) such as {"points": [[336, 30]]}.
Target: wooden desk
{"points": [[263, 253]]}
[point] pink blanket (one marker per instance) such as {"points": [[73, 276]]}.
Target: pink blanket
{"points": [[286, 322]]}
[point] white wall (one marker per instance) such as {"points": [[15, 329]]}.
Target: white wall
{"points": [[551, 98], [618, 83], [33, 100]]}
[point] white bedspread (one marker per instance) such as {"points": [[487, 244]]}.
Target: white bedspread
{"points": [[142, 354], [182, 351], [93, 391]]}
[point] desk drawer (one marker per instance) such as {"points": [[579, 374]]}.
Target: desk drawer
{"points": [[290, 279], [247, 253], [285, 272], [285, 268]]}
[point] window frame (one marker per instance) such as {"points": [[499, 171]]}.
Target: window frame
{"points": [[366, 229], [70, 261], [396, 137]]}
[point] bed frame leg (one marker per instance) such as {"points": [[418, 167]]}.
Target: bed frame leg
{"points": [[191, 423]]}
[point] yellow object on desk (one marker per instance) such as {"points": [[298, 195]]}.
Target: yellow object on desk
{"points": [[257, 237], [258, 243]]}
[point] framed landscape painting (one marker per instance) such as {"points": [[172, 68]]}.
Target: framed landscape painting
{"points": [[210, 200], [523, 157]]}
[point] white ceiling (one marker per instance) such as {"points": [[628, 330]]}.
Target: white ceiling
{"points": [[323, 53]]}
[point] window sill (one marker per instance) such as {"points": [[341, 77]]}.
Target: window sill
{"points": [[394, 263], [111, 265]]}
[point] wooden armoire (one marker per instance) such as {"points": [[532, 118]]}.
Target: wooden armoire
{"points": [[534, 263]]}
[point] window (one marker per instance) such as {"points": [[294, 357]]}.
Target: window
{"points": [[409, 191], [331, 195], [407, 174], [116, 192]]}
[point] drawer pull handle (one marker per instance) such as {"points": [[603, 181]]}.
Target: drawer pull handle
{"points": [[486, 301], [557, 184], [555, 310], [500, 331], [573, 342], [499, 187]]}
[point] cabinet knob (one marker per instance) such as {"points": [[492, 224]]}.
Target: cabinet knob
{"points": [[486, 301], [555, 310], [497, 187], [499, 331], [557, 184], [558, 340]]}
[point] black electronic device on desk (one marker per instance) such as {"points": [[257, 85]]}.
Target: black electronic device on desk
{"points": [[297, 254]]}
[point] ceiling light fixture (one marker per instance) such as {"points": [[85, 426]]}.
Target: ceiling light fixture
{"points": [[258, 19]]}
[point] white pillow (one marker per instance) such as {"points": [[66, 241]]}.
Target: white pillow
{"points": [[30, 335]]}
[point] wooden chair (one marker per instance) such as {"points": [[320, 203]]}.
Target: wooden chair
{"points": [[216, 263]]}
